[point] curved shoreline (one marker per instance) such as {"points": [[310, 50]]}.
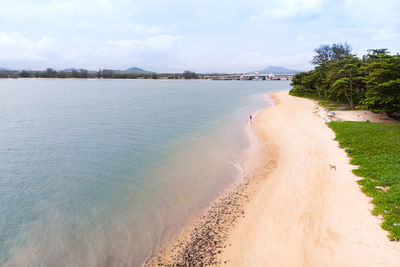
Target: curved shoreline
{"points": [[203, 237], [306, 213], [292, 210]]}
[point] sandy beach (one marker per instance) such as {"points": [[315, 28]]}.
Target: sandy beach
{"points": [[307, 214], [292, 208]]}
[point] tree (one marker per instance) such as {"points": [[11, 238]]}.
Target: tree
{"points": [[377, 53], [24, 74], [340, 50], [348, 82], [50, 73], [385, 97], [304, 84], [382, 79], [99, 73], [62, 74], [83, 73], [322, 53], [107, 74], [187, 74], [75, 74], [330, 52], [3, 74], [372, 83], [318, 77]]}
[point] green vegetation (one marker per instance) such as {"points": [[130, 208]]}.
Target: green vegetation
{"points": [[100, 74], [372, 82], [334, 105], [375, 148], [341, 80], [187, 74]]}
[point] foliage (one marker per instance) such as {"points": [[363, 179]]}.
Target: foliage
{"points": [[24, 74], [347, 81], [3, 74], [333, 105], [298, 90], [382, 82], [100, 74], [372, 82], [330, 52], [187, 74], [375, 148]]}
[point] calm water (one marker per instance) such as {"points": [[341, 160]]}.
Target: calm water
{"points": [[97, 173]]}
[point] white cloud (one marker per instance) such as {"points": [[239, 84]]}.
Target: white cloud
{"points": [[253, 60], [286, 9], [158, 42], [50, 9], [127, 28], [78, 5], [138, 28], [372, 13], [19, 51], [385, 35], [119, 33], [82, 25], [14, 46], [244, 62]]}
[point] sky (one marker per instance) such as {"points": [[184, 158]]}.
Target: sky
{"points": [[177, 35]]}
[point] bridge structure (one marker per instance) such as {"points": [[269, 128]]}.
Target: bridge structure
{"points": [[250, 76]]}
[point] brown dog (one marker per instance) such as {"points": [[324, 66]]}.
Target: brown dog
{"points": [[333, 167]]}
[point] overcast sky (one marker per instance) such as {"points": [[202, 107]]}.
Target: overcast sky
{"points": [[178, 35]]}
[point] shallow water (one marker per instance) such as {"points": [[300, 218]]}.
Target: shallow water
{"points": [[97, 173]]}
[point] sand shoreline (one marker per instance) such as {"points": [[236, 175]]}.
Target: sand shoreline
{"points": [[306, 213], [204, 234], [292, 209]]}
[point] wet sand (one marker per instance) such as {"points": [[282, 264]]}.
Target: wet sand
{"points": [[204, 236], [291, 208]]}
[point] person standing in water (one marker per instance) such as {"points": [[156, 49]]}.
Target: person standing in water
{"points": [[251, 118]]}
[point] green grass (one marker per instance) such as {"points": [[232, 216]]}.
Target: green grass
{"points": [[375, 148]]}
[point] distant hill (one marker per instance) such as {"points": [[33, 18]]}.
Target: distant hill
{"points": [[277, 70], [137, 70], [4, 69]]}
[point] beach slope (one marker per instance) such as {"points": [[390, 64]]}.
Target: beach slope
{"points": [[307, 213]]}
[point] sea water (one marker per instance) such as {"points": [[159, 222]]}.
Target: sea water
{"points": [[101, 172]]}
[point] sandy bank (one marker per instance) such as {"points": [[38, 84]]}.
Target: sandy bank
{"points": [[352, 115], [292, 208], [306, 213]]}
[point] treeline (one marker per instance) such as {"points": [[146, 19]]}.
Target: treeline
{"points": [[371, 82], [101, 74]]}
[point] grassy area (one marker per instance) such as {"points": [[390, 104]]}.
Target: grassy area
{"points": [[375, 148]]}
